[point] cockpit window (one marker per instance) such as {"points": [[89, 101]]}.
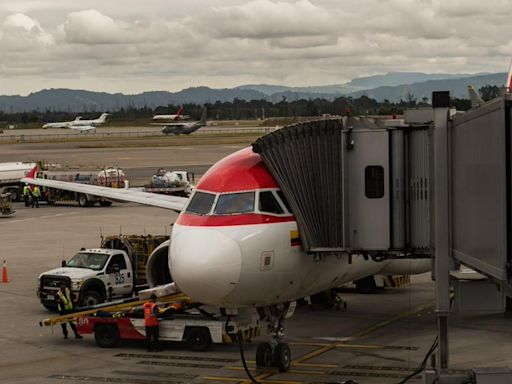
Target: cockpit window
{"points": [[283, 199], [235, 203], [268, 203], [201, 203]]}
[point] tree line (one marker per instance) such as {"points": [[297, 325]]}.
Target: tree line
{"points": [[240, 109]]}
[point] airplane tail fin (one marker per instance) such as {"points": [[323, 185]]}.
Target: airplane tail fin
{"points": [[32, 172], [103, 117], [508, 84], [178, 114], [475, 98]]}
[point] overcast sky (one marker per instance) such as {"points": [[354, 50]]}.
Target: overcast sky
{"points": [[131, 46]]}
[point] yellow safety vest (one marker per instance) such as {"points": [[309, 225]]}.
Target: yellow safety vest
{"points": [[66, 300]]}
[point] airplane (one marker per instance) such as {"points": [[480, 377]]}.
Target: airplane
{"points": [[78, 124], [475, 98], [176, 117], [61, 124], [185, 128], [235, 245]]}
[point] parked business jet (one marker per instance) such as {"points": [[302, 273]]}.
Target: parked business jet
{"points": [[184, 128], [235, 245], [178, 116], [78, 124], [61, 124]]}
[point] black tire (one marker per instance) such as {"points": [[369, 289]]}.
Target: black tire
{"points": [[50, 307], [105, 203], [106, 335], [282, 357], [198, 339], [264, 356], [83, 201], [366, 285], [90, 298]]}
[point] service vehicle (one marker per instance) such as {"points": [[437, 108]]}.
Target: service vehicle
{"points": [[180, 319], [6, 208], [115, 270], [103, 177], [177, 183], [198, 328], [10, 175]]}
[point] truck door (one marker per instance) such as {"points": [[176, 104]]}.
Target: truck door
{"points": [[119, 275]]}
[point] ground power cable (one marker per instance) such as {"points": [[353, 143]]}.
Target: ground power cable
{"points": [[240, 338]]}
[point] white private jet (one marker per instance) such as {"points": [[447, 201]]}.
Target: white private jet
{"points": [[83, 126], [178, 116], [235, 245]]}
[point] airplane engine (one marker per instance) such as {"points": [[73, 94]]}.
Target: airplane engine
{"points": [[157, 268]]}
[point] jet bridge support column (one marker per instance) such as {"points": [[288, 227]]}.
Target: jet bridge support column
{"points": [[441, 104]]}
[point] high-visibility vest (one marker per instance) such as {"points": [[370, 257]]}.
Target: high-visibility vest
{"points": [[26, 190], [65, 299], [150, 318], [36, 192]]}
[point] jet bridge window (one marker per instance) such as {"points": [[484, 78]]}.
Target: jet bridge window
{"points": [[201, 203], [268, 203], [374, 181], [235, 203]]}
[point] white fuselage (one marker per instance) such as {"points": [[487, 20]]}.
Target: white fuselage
{"points": [[227, 267]]}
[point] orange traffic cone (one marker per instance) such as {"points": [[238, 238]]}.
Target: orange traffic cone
{"points": [[5, 277]]}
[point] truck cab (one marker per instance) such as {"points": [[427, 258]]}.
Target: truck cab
{"points": [[93, 276]]}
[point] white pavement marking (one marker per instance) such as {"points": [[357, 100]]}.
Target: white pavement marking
{"points": [[40, 217]]}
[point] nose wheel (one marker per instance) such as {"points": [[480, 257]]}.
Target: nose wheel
{"points": [[278, 356], [276, 353]]}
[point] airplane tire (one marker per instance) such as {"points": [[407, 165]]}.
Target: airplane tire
{"points": [[264, 356], [198, 339], [106, 335], [282, 357]]}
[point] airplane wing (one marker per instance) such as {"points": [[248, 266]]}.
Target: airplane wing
{"points": [[175, 203], [170, 124], [82, 128]]}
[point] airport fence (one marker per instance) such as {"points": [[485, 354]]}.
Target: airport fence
{"points": [[7, 138]]}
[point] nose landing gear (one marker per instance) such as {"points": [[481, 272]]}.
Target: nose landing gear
{"points": [[276, 353]]}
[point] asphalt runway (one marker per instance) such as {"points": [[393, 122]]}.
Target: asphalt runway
{"points": [[379, 339]]}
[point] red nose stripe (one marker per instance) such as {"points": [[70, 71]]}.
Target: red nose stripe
{"points": [[191, 220]]}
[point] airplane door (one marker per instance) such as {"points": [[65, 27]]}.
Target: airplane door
{"points": [[367, 188]]}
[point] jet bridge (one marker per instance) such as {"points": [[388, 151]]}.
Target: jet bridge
{"points": [[355, 184]]}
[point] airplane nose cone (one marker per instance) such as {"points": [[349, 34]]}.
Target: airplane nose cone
{"points": [[205, 264]]}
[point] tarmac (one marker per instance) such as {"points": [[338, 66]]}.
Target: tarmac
{"points": [[378, 339]]}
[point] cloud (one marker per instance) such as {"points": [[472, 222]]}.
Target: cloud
{"points": [[131, 46]]}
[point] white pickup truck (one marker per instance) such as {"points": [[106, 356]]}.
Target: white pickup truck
{"points": [[93, 275]]}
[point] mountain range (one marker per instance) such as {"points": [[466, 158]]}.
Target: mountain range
{"points": [[391, 86]]}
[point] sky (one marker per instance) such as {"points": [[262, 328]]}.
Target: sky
{"points": [[131, 46]]}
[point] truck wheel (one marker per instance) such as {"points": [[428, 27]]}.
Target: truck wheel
{"points": [[51, 307], [83, 201], [90, 298], [198, 339], [106, 335], [104, 203], [366, 284]]}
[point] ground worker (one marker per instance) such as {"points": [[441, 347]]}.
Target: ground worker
{"points": [[65, 307], [36, 194], [151, 323], [26, 195]]}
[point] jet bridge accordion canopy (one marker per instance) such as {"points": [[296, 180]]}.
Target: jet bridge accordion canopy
{"points": [[306, 161]]}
